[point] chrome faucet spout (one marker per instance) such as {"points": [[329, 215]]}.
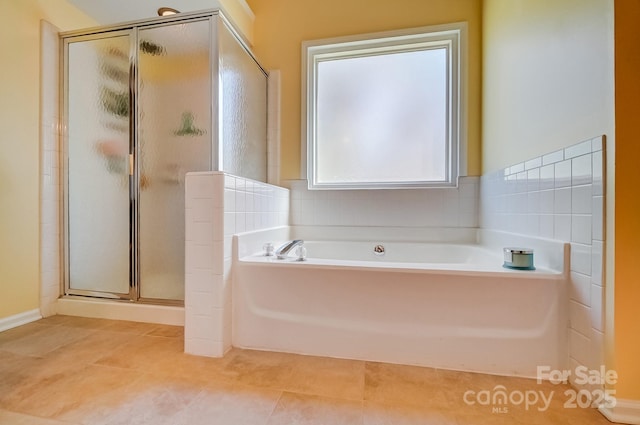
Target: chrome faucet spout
{"points": [[284, 250]]}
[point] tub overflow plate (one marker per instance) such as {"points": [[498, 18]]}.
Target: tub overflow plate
{"points": [[378, 249]]}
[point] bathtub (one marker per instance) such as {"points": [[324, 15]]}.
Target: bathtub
{"points": [[449, 306]]}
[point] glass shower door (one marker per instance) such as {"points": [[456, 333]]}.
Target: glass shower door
{"points": [[174, 137], [97, 170], [139, 116]]}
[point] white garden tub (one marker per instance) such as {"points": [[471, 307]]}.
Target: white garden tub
{"points": [[440, 305]]}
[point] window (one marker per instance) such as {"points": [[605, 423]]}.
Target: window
{"points": [[383, 110]]}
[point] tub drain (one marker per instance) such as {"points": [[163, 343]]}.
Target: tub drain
{"points": [[378, 249]]}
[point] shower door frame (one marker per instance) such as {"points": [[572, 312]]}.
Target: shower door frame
{"points": [[132, 28]]}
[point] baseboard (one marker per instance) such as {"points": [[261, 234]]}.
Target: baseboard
{"points": [[19, 319], [624, 412]]}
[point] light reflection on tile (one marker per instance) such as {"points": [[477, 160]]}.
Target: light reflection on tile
{"points": [[12, 418], [314, 410]]}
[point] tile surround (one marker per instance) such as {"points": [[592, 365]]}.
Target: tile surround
{"points": [[219, 205], [565, 195], [245, 206], [50, 133], [417, 208]]}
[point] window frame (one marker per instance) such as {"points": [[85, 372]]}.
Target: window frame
{"points": [[450, 36]]}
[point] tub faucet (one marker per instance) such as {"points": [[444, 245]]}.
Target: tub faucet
{"points": [[282, 252]]}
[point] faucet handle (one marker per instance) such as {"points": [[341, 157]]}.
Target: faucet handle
{"points": [[301, 252]]}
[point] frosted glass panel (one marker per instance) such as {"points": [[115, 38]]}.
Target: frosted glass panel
{"points": [[382, 118], [243, 113], [174, 137], [98, 172]]}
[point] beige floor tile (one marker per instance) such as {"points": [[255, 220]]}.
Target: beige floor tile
{"points": [[45, 340], [55, 396], [498, 414], [136, 328], [145, 353], [91, 348], [404, 386], [326, 376], [512, 383], [584, 417], [13, 363], [561, 415], [58, 319], [165, 356], [19, 376], [490, 419], [11, 418], [520, 417], [199, 369], [106, 372], [381, 414], [146, 399], [23, 331], [229, 404], [465, 380], [312, 375], [299, 409], [454, 384], [167, 331], [261, 369], [86, 322]]}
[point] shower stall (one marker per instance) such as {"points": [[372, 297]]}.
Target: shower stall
{"points": [[144, 103]]}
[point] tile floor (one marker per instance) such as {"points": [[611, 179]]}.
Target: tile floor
{"points": [[70, 370]]}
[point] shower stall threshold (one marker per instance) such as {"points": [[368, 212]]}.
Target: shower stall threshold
{"points": [[117, 310]]}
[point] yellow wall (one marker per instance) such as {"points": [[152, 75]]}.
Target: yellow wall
{"points": [[282, 25], [627, 234], [19, 144], [241, 16], [547, 76]]}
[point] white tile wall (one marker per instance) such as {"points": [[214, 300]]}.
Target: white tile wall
{"points": [[50, 273], [218, 206], [565, 200], [437, 207]]}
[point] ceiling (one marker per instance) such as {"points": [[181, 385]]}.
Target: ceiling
{"points": [[115, 11]]}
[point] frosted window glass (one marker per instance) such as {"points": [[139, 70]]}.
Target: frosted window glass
{"points": [[384, 110], [243, 110], [382, 118], [98, 169], [174, 137]]}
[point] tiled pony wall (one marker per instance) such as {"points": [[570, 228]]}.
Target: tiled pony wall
{"points": [[219, 205], [560, 196]]}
